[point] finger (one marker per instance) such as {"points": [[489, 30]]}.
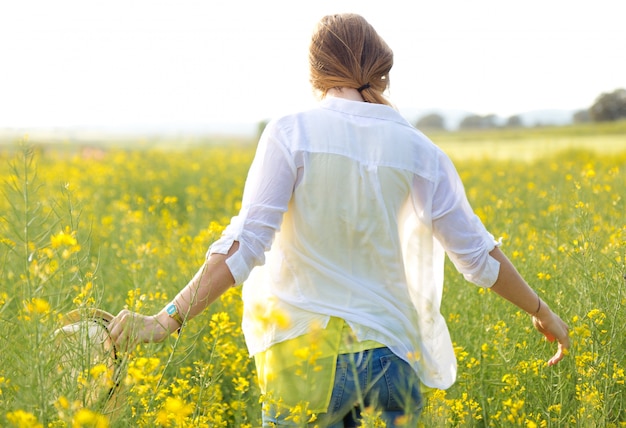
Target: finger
{"points": [[562, 336], [121, 329], [555, 359], [564, 344], [560, 354], [129, 335], [125, 340], [114, 329], [116, 326]]}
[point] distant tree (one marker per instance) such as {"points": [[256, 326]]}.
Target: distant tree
{"points": [[490, 121], [475, 121], [514, 122], [472, 121], [430, 121], [609, 106], [581, 116]]}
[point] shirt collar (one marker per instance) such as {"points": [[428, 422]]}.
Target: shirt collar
{"points": [[360, 108]]}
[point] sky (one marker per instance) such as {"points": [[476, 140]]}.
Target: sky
{"points": [[181, 64]]}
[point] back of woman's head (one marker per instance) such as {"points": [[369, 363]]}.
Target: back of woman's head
{"points": [[346, 51]]}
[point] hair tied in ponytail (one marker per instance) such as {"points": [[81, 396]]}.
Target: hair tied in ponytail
{"points": [[363, 87]]}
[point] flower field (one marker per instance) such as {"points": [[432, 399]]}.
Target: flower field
{"points": [[127, 227]]}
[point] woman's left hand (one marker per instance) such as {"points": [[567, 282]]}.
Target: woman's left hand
{"points": [[128, 329]]}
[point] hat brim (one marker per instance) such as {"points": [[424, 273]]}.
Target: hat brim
{"points": [[78, 315]]}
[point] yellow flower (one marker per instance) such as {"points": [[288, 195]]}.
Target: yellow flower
{"points": [[176, 406], [473, 362], [267, 316], [97, 370], [618, 374], [38, 306], [89, 418], [302, 353], [460, 353], [63, 402], [170, 200], [64, 238], [555, 408], [414, 356], [241, 384], [597, 316], [174, 409], [23, 419]]}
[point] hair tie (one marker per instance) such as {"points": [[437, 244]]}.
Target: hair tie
{"points": [[360, 89]]}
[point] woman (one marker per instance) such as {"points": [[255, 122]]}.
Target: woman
{"points": [[346, 215]]}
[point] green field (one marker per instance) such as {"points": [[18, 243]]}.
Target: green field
{"points": [[126, 224]]}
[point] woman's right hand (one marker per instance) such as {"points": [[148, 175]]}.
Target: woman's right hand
{"points": [[554, 329]]}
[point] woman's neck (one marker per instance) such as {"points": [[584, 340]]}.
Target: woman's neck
{"points": [[346, 93]]}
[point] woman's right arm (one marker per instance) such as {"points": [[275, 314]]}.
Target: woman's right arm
{"points": [[479, 258], [514, 288]]}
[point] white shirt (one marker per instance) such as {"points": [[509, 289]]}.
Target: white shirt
{"points": [[347, 211]]}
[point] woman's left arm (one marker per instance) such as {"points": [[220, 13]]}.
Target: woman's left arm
{"points": [[269, 185], [210, 282]]}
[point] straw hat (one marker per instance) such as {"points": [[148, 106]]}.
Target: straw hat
{"points": [[89, 364]]}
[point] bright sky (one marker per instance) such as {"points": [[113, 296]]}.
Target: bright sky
{"points": [[119, 63]]}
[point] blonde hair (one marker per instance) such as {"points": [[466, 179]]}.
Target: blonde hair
{"points": [[346, 51]]}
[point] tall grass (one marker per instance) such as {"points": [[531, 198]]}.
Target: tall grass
{"points": [[122, 227]]}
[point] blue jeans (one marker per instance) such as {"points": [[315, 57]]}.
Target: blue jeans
{"points": [[375, 378]]}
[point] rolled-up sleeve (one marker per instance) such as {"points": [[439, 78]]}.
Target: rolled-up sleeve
{"points": [[459, 230], [266, 196]]}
